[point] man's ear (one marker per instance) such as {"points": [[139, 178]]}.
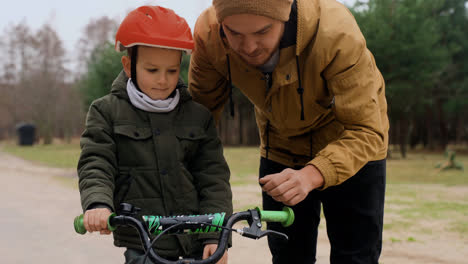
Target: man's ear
{"points": [[127, 65]]}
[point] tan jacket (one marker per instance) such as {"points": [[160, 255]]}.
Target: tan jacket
{"points": [[345, 109]]}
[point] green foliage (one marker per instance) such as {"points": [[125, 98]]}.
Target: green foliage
{"points": [[404, 36], [453, 20], [103, 67], [450, 163], [184, 67], [421, 48]]}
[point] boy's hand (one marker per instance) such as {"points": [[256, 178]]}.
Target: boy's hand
{"points": [[292, 186], [210, 249], [96, 220]]}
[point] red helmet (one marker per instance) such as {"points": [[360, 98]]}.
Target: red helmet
{"points": [[154, 26]]}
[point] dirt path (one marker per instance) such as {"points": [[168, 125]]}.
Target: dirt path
{"points": [[37, 211], [36, 216]]}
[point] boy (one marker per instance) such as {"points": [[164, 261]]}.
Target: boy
{"points": [[147, 143]]}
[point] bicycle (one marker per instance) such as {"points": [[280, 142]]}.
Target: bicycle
{"points": [[159, 225]]}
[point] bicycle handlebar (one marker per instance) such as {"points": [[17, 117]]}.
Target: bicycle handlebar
{"points": [[195, 223]]}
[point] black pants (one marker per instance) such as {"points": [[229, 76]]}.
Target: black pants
{"points": [[353, 212]]}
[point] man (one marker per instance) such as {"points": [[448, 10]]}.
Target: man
{"points": [[321, 111]]}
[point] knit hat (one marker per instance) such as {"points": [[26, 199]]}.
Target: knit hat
{"points": [[276, 9]]}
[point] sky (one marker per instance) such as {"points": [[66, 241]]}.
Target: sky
{"points": [[69, 18]]}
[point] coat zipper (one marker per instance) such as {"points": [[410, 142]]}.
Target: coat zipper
{"points": [[267, 88]]}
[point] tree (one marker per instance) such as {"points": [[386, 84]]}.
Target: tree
{"points": [[97, 33], [405, 37], [18, 50], [34, 81], [453, 85], [46, 81], [103, 67]]}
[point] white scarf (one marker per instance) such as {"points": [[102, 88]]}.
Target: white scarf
{"points": [[145, 103]]}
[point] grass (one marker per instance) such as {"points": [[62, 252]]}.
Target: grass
{"points": [[244, 164], [421, 208], [54, 155], [419, 198], [420, 168]]}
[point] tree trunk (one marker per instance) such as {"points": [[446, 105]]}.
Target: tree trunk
{"points": [[47, 134], [404, 131], [429, 128], [443, 142], [459, 132]]}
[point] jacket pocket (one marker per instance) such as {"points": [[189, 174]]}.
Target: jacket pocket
{"points": [[134, 146], [189, 139], [133, 132]]}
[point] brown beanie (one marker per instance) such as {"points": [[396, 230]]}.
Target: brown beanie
{"points": [[276, 9]]}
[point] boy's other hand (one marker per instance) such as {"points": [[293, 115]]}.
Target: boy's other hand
{"points": [[96, 220], [210, 249]]}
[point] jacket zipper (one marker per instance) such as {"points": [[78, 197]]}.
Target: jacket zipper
{"points": [[267, 87]]}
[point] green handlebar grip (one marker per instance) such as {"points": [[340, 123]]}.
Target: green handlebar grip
{"points": [[80, 228], [285, 217]]}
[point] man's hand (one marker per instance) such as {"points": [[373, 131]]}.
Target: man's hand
{"points": [[96, 220], [292, 186], [210, 249]]}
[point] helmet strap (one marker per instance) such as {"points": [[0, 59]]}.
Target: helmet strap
{"points": [[133, 62]]}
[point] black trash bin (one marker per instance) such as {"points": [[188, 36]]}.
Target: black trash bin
{"points": [[26, 134]]}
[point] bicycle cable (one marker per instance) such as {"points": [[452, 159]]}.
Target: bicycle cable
{"points": [[156, 238], [179, 224]]}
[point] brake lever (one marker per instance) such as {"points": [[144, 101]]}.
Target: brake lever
{"points": [[272, 232], [254, 231]]}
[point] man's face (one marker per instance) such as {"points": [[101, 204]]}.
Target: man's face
{"points": [[254, 38]]}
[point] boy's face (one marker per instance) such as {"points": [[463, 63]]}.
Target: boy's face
{"points": [[157, 70], [253, 37]]}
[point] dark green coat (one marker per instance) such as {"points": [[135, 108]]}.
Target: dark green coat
{"points": [[165, 163]]}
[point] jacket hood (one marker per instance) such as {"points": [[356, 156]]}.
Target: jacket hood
{"points": [[119, 88], [308, 15]]}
